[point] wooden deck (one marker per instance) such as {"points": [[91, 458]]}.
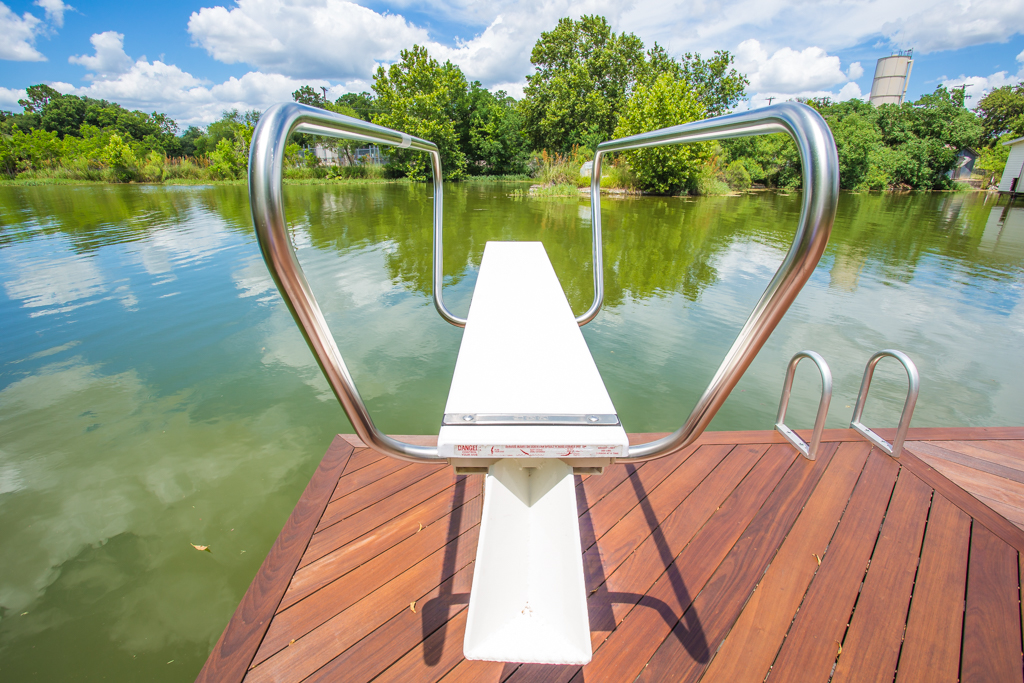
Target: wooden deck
{"points": [[733, 560]]}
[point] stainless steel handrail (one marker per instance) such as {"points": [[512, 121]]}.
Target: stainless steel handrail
{"points": [[820, 163], [265, 195], [810, 452], [913, 388]]}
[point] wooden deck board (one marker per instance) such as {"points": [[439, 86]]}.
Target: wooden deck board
{"points": [[700, 566]]}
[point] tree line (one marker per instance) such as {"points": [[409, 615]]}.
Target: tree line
{"points": [[588, 84]]}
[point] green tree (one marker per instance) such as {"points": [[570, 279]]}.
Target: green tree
{"points": [[664, 102], [1002, 111], [38, 96], [122, 160], [362, 104], [719, 87], [421, 97], [493, 140], [311, 96], [583, 76]]}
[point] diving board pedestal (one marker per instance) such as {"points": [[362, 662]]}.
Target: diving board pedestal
{"points": [[527, 405]]}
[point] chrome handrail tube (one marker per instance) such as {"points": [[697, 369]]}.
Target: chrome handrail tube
{"points": [[266, 155], [820, 163], [913, 388], [809, 451]]}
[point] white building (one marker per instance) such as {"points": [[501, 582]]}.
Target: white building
{"points": [[1013, 173]]}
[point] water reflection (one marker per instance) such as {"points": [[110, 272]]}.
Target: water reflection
{"points": [[154, 391]]}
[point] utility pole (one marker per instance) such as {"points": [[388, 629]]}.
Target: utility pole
{"points": [[963, 87], [325, 93], [770, 101]]}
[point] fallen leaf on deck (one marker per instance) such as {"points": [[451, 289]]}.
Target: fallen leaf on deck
{"points": [[412, 606], [840, 649], [420, 529], [201, 547], [818, 559]]}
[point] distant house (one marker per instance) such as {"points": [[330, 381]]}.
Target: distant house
{"points": [[965, 159], [1014, 171], [330, 156]]}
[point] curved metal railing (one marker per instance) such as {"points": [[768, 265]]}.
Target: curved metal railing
{"points": [[809, 451], [266, 154], [820, 163], [820, 180], [913, 388]]}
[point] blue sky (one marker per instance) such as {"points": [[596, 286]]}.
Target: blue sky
{"points": [[193, 60]]}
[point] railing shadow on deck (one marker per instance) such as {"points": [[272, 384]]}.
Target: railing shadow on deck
{"points": [[435, 611], [687, 629]]}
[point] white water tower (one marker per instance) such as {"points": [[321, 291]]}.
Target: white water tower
{"points": [[891, 77]]}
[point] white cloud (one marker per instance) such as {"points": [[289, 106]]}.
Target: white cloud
{"points": [[789, 72], [54, 9], [9, 97], [18, 35], [304, 38], [849, 91], [953, 25], [157, 86], [979, 86], [110, 59]]}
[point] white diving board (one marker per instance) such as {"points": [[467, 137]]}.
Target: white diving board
{"points": [[526, 406]]}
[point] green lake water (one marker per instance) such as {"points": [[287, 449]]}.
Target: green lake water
{"points": [[154, 391]]}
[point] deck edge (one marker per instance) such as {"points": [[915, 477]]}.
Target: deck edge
{"points": [[229, 661]]}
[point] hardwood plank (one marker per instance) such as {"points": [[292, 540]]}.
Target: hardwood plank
{"points": [[613, 507], [400, 634], [722, 598], [995, 522], [1006, 453], [955, 433], [334, 566], [367, 475], [360, 498], [597, 488], [992, 638], [310, 652], [367, 519], [931, 645], [238, 643], [872, 644], [610, 601], [750, 647], [304, 616], [361, 457], [978, 482], [812, 645], [1012, 513], [627, 650], [1013, 450], [469, 671], [931, 449], [637, 525], [433, 658]]}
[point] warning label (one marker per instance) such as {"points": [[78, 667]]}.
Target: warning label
{"points": [[538, 451]]}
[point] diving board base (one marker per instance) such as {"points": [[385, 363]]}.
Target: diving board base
{"points": [[528, 602]]}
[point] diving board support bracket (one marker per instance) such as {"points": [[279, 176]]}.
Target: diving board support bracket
{"points": [[527, 408]]}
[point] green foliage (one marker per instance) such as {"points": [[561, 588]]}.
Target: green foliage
{"points": [[122, 161], [992, 161], [423, 98], [496, 144], [1002, 111], [362, 104], [583, 75], [719, 87], [737, 176], [664, 102]]}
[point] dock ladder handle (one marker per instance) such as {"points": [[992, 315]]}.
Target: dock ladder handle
{"points": [[809, 451], [265, 195], [820, 164], [913, 387]]}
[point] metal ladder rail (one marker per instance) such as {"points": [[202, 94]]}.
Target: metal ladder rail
{"points": [[808, 451], [913, 388]]}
